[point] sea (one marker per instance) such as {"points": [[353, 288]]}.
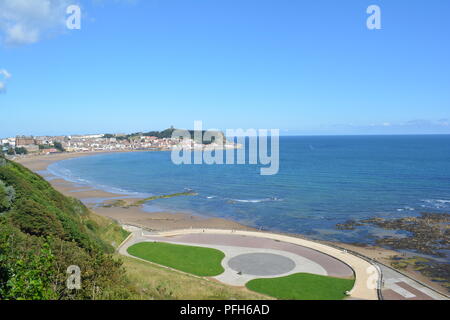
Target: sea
{"points": [[322, 181]]}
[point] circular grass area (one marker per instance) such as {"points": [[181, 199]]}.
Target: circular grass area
{"points": [[302, 286], [205, 262]]}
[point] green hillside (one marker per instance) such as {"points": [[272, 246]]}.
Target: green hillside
{"points": [[43, 232]]}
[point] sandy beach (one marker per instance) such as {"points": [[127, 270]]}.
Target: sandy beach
{"points": [[132, 216]]}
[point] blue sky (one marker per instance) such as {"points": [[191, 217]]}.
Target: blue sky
{"points": [[305, 67]]}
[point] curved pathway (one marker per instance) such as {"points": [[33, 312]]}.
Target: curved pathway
{"points": [[308, 256]]}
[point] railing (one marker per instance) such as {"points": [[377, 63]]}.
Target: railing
{"points": [[372, 262], [264, 233]]}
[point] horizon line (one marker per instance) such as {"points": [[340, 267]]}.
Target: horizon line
{"points": [[281, 135]]}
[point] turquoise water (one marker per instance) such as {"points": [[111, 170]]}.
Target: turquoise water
{"points": [[322, 181]]}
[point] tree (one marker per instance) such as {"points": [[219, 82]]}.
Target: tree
{"points": [[20, 150], [58, 146], [31, 278], [7, 195]]}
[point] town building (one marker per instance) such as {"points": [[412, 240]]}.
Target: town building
{"points": [[22, 141]]}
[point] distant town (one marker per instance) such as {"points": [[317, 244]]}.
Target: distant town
{"points": [[153, 140]]}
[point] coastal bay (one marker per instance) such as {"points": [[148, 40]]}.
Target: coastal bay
{"points": [[166, 218]]}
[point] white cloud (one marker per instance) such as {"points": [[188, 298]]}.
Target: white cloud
{"points": [[28, 21], [427, 123], [5, 73], [4, 76]]}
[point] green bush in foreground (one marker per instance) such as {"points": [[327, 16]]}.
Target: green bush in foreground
{"points": [[42, 232], [195, 260], [302, 286]]}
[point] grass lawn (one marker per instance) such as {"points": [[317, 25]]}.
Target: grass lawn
{"points": [[302, 286], [107, 229], [195, 260], [155, 282]]}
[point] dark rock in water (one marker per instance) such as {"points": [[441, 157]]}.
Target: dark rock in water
{"points": [[436, 271], [428, 233], [349, 225]]}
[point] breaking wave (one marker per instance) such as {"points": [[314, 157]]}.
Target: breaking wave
{"points": [[436, 203]]}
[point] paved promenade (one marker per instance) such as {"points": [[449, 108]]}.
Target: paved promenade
{"points": [[317, 257], [366, 274]]}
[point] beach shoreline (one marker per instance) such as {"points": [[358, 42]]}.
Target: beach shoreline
{"points": [[92, 197], [95, 199]]}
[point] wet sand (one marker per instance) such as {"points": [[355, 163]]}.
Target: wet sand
{"points": [[94, 198], [165, 220], [41, 162]]}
